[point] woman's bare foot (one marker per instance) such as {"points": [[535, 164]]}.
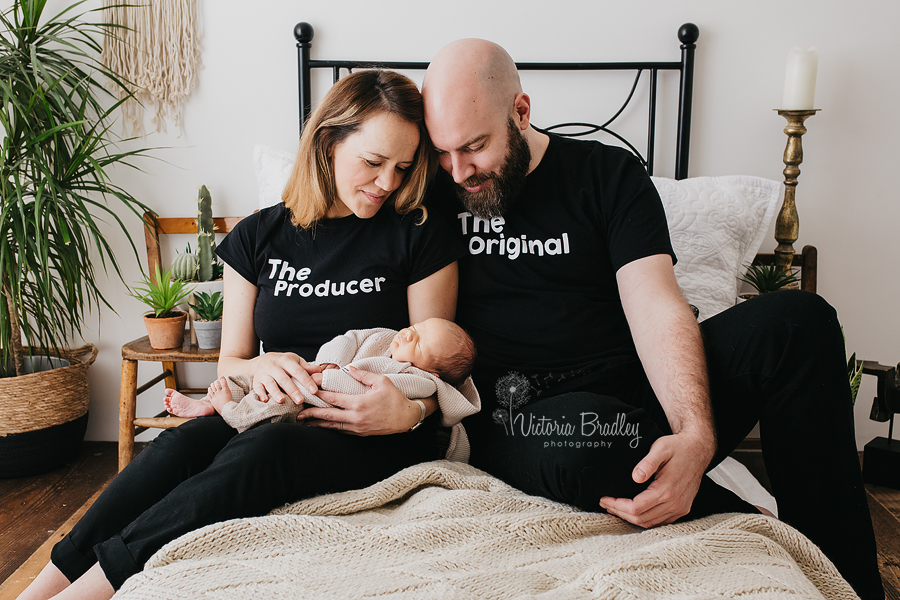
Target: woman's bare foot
{"points": [[181, 406]]}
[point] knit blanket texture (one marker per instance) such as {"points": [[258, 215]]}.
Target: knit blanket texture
{"points": [[447, 530]]}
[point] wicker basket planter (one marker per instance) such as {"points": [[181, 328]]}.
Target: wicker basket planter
{"points": [[43, 416]]}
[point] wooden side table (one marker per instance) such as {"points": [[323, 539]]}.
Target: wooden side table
{"points": [[139, 350]]}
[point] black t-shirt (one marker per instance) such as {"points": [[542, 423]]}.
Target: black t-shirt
{"points": [[340, 274], [538, 290]]}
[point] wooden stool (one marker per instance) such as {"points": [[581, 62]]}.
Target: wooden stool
{"points": [[140, 350]]}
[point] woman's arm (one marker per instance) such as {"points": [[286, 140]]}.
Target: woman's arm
{"points": [[384, 409], [434, 296], [239, 352]]}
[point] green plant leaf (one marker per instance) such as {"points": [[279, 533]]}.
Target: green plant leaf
{"points": [[854, 374], [208, 306], [162, 293], [55, 189], [767, 278]]}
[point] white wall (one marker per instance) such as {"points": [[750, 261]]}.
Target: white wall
{"points": [[248, 95]]}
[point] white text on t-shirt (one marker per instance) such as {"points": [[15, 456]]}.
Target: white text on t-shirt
{"points": [[287, 274], [512, 246]]}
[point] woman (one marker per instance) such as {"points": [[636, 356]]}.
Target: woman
{"points": [[327, 260]]}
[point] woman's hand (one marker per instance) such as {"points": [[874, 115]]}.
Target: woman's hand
{"points": [[278, 373], [380, 411]]}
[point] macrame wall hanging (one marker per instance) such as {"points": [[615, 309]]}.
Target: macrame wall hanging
{"points": [[157, 51]]}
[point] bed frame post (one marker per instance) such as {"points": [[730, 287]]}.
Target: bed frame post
{"points": [[687, 34], [303, 32]]}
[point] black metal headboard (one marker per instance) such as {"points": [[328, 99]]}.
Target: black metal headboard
{"points": [[687, 34]]}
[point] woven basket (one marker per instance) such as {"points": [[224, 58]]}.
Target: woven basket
{"points": [[43, 416]]}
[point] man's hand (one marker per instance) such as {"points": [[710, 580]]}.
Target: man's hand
{"points": [[677, 464]]}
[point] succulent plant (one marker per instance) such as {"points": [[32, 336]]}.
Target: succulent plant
{"points": [[206, 236], [768, 278], [161, 293], [185, 266], [208, 306], [202, 265]]}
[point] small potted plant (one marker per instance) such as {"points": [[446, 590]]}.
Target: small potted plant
{"points": [[765, 279], [208, 323], [165, 325]]}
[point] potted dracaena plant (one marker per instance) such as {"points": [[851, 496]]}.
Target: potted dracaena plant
{"points": [[208, 324], [56, 191]]}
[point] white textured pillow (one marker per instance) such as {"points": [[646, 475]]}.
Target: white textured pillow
{"points": [[717, 225], [273, 169]]}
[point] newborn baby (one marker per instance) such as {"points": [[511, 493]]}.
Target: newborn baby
{"points": [[422, 360]]}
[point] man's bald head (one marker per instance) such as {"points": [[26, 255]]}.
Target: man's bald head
{"points": [[471, 74], [479, 121]]}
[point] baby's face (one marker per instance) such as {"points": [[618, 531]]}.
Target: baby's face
{"points": [[418, 344]]}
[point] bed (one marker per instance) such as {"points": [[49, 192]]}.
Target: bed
{"points": [[444, 529]]}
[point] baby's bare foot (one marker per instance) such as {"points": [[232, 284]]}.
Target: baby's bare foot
{"points": [[181, 406], [219, 394]]}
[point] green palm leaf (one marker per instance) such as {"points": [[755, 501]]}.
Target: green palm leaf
{"points": [[55, 190]]}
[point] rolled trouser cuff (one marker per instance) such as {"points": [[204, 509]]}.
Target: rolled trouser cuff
{"points": [[71, 562], [116, 561]]}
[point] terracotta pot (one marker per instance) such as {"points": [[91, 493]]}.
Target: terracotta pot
{"points": [[166, 332]]}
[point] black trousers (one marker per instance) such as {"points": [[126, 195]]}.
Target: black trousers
{"points": [[777, 360], [203, 472]]}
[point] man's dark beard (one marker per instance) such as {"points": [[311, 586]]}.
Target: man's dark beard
{"points": [[496, 197]]}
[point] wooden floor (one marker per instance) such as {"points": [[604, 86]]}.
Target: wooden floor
{"points": [[37, 511]]}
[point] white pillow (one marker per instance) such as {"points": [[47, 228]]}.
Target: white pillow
{"points": [[273, 169], [734, 476], [717, 225]]}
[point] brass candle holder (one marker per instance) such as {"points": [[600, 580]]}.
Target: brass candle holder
{"points": [[787, 227]]}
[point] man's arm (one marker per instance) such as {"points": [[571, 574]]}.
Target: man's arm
{"points": [[668, 343]]}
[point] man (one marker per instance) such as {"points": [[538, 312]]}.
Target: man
{"points": [[587, 349]]}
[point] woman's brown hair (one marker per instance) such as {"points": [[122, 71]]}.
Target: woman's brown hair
{"points": [[311, 189]]}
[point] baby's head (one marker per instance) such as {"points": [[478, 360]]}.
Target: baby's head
{"points": [[438, 346]]}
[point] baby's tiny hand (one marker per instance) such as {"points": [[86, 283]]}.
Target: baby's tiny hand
{"points": [[317, 378], [329, 366]]}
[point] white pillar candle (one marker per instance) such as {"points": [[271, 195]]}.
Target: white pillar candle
{"points": [[800, 80]]}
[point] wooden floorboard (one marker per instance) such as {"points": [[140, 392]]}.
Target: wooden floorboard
{"points": [[33, 508], [884, 505], [16, 583]]}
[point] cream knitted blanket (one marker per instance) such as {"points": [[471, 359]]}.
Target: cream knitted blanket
{"points": [[447, 530]]}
